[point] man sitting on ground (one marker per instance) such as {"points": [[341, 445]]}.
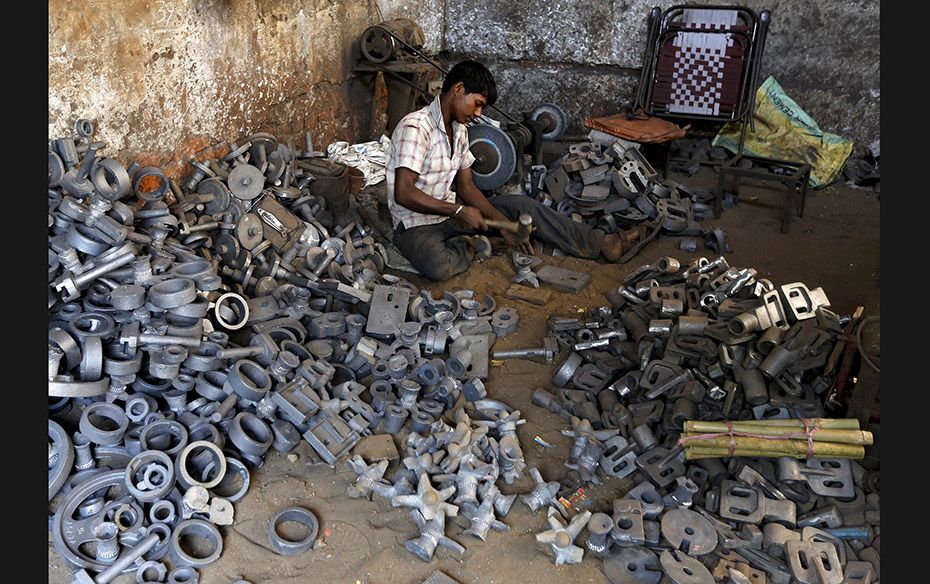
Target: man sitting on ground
{"points": [[436, 228]]}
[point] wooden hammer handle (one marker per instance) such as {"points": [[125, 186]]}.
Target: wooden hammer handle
{"points": [[511, 226]]}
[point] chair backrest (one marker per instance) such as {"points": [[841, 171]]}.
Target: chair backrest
{"points": [[702, 62]]}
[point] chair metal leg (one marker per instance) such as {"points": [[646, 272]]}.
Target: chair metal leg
{"points": [[668, 158], [803, 189], [791, 190]]}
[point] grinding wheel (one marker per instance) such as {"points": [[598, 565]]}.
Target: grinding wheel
{"points": [[495, 156], [555, 117]]}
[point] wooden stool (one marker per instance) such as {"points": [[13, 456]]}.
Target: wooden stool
{"points": [[795, 181]]}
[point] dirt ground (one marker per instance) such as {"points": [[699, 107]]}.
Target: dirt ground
{"points": [[835, 245]]}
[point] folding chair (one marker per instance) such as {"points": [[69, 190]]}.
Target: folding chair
{"points": [[702, 63]]}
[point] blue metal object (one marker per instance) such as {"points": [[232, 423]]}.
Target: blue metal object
{"points": [[495, 154]]}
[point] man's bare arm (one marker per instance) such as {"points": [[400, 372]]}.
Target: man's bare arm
{"points": [[467, 191], [408, 195]]}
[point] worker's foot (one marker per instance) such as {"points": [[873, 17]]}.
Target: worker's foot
{"points": [[612, 247], [634, 234], [482, 247]]}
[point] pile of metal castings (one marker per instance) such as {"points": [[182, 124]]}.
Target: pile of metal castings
{"points": [[707, 341], [608, 184], [686, 155], [194, 328], [465, 460]]}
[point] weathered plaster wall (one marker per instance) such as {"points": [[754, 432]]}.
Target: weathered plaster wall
{"points": [[585, 56], [429, 14], [167, 79]]}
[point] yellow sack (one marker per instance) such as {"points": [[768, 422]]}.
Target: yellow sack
{"points": [[785, 131]]}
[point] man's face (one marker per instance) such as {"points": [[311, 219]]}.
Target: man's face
{"points": [[467, 106]]}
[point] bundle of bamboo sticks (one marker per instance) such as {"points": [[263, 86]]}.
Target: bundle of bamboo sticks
{"points": [[798, 438]]}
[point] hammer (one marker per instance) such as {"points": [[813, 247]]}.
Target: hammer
{"points": [[522, 227]]}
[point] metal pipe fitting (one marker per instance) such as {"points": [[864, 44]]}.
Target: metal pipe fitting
{"points": [[176, 399], [107, 544], [460, 358], [127, 559], [470, 308], [542, 494], [397, 366], [286, 546], [394, 418], [202, 530], [103, 433], [409, 391], [599, 527]]}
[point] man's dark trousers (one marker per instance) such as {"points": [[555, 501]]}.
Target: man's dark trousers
{"points": [[442, 250]]}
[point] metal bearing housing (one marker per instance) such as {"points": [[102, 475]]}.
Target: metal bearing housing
{"points": [[504, 321], [150, 475], [248, 380], [97, 434], [197, 528], [193, 453], [250, 434], [288, 547]]}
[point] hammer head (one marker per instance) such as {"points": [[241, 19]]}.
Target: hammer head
{"points": [[524, 226]]}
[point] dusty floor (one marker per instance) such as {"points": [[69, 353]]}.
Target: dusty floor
{"points": [[835, 245]]}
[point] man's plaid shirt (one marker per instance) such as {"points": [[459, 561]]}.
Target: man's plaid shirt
{"points": [[421, 144]]}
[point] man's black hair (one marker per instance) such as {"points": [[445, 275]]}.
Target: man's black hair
{"points": [[475, 76]]}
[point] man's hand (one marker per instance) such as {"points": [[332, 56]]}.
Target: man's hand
{"points": [[514, 242], [472, 218]]}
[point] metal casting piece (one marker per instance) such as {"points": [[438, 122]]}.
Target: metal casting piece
{"points": [[558, 539], [628, 526], [683, 569], [633, 565], [286, 546], [562, 279], [814, 562], [542, 494], [432, 535], [689, 532]]}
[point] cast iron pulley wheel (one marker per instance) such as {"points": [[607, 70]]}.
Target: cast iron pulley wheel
{"points": [[259, 141], [227, 247], [56, 169], [250, 230], [377, 44], [495, 156], [60, 457], [246, 182], [71, 531], [555, 118], [221, 195]]}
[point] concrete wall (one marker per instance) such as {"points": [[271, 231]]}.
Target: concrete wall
{"points": [[585, 56], [167, 79]]}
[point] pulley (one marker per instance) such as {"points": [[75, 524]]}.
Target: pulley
{"points": [[554, 117], [495, 156]]}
